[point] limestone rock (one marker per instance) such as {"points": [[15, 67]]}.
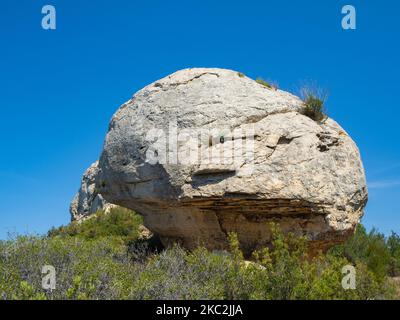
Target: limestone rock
{"points": [[204, 152], [88, 201]]}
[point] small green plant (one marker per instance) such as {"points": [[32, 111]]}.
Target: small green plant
{"points": [[241, 75], [264, 83], [268, 84], [313, 108], [314, 103]]}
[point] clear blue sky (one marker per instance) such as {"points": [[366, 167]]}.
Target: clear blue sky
{"points": [[58, 89]]}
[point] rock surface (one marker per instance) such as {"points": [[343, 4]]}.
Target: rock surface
{"points": [[304, 175], [88, 201]]}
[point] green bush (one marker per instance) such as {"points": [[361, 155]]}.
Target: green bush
{"points": [[100, 266], [119, 222], [85, 269], [380, 254], [292, 275], [314, 101], [314, 109], [393, 243]]}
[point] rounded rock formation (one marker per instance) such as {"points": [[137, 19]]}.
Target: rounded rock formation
{"points": [[205, 152]]}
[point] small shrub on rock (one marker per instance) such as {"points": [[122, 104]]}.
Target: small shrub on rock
{"points": [[314, 100]]}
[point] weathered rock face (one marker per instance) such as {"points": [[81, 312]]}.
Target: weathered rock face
{"points": [[230, 155], [88, 201]]}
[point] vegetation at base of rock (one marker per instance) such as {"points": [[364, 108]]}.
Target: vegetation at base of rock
{"points": [[314, 103], [119, 222], [93, 265], [380, 254]]}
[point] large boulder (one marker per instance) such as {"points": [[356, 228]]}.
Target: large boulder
{"points": [[88, 201], [205, 152]]}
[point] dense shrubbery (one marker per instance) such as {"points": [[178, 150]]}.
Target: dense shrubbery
{"points": [[86, 269], [379, 253], [94, 263], [120, 222]]}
